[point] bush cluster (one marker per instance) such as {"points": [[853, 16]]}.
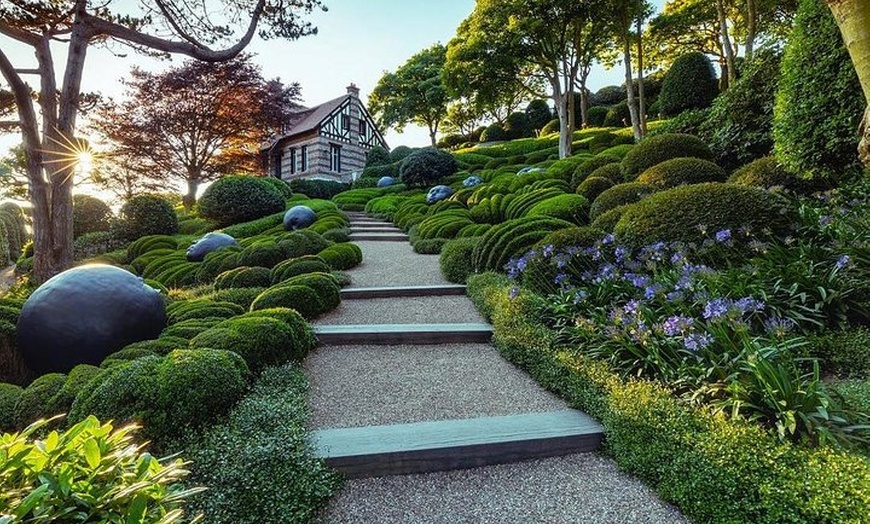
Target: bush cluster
{"points": [[427, 166], [619, 195], [342, 256], [510, 239], [234, 199], [681, 171], [656, 149], [145, 215], [90, 214], [690, 83]]}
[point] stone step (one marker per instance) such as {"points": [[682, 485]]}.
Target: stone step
{"points": [[423, 447], [376, 229], [383, 237], [363, 218], [391, 334], [357, 293], [371, 223]]}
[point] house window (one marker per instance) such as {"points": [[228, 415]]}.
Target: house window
{"points": [[276, 165], [345, 122], [292, 160], [363, 129], [303, 159], [335, 158]]}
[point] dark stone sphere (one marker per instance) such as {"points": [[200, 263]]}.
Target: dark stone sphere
{"points": [[84, 314], [298, 217], [208, 243], [438, 193], [472, 181], [386, 181]]}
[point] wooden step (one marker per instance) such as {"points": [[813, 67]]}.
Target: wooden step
{"points": [[383, 237], [422, 447], [355, 293], [391, 334]]}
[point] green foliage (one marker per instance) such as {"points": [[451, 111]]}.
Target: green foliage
{"points": [[819, 100], [518, 125], [691, 122], [493, 133], [680, 171], [35, 401], [10, 394], [618, 115], [456, 259], [619, 195], [591, 165], [552, 127], [593, 186], [323, 284], [148, 243], [571, 208], [98, 474], [342, 256], [299, 297], [325, 189], [596, 115], [254, 227], [656, 149], [564, 168], [243, 297], [427, 166], [235, 199], [766, 173], [181, 310], [145, 215], [264, 253], [261, 341], [512, 238], [693, 213], [243, 276], [299, 266], [608, 96], [270, 422], [17, 236], [279, 185], [690, 83], [739, 127], [844, 353], [90, 214], [539, 275], [378, 156], [303, 242], [186, 389], [539, 114], [400, 153], [607, 220]]}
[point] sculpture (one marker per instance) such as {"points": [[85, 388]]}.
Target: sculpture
{"points": [[386, 181], [438, 193], [298, 217], [472, 181], [208, 243]]}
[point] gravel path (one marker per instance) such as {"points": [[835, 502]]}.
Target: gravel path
{"points": [[372, 385], [394, 264], [583, 488], [404, 310]]}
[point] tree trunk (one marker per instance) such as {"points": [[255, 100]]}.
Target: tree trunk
{"points": [[584, 104], [629, 86], [641, 95], [566, 121], [751, 27], [726, 42], [723, 75], [432, 133], [853, 18], [189, 198]]}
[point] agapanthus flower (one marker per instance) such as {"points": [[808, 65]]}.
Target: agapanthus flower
{"points": [[677, 325], [717, 308], [778, 326], [749, 305], [652, 290], [514, 292], [723, 235], [560, 279], [843, 261], [548, 250], [825, 220], [697, 341], [608, 239]]}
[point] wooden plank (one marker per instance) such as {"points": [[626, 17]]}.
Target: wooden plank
{"points": [[356, 293], [390, 334], [455, 444]]}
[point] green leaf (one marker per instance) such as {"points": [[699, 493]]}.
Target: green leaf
{"points": [[136, 511], [92, 453]]}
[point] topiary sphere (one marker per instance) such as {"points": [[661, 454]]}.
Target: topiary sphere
{"points": [[235, 199], [690, 83], [208, 243], [298, 217], [84, 314], [656, 149], [386, 181], [438, 193], [146, 215], [681, 171], [427, 166], [472, 181]]}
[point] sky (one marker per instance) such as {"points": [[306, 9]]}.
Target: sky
{"points": [[357, 41]]}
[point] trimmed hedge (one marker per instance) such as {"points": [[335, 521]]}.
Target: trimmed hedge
{"points": [[512, 238], [766, 173], [680, 171], [10, 394], [676, 214], [594, 186], [690, 83], [656, 149], [90, 214], [572, 208], [299, 266], [303, 242], [342, 256], [607, 221], [619, 195], [261, 341], [591, 165], [243, 276], [456, 259], [145, 215], [427, 166], [234, 199]]}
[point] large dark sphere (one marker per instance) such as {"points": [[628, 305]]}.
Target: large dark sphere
{"points": [[208, 243], [85, 314], [298, 217], [438, 193], [472, 181], [386, 181]]}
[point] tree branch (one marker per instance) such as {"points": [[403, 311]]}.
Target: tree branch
{"points": [[18, 34]]}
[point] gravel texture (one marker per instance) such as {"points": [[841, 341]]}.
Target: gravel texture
{"points": [[374, 385], [404, 310], [583, 488], [394, 264]]}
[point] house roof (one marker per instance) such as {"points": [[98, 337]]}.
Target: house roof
{"points": [[310, 118]]}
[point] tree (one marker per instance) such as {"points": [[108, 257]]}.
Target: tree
{"points": [[7, 109], [195, 122], [160, 26], [853, 19], [462, 117], [414, 93], [625, 13]]}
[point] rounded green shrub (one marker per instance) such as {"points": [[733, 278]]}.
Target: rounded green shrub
{"points": [[267, 341], [767, 172], [564, 168], [456, 259], [572, 208], [592, 165], [145, 215], [619, 195], [697, 212], [338, 235], [184, 330], [618, 115], [429, 246], [593, 186], [148, 243], [378, 156], [510, 239], [299, 297], [607, 220], [427, 166], [539, 113], [549, 129], [493, 133], [303, 242], [680, 171], [656, 149], [200, 308], [342, 256], [690, 83], [265, 253], [243, 276], [518, 125], [243, 297], [10, 394], [819, 101], [400, 153], [279, 185], [35, 401], [76, 380], [303, 336], [611, 172], [299, 266], [540, 273], [323, 284], [596, 115], [90, 214], [234, 199]]}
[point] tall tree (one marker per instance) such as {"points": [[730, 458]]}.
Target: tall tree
{"points": [[624, 14], [159, 26], [414, 93], [853, 19], [8, 123], [195, 122]]}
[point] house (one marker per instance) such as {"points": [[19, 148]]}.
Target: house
{"points": [[328, 141]]}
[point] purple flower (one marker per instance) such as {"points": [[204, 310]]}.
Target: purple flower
{"points": [[778, 326], [723, 236], [560, 279], [514, 292], [608, 239], [579, 296], [651, 291], [677, 325], [717, 308], [637, 280], [522, 263], [674, 296], [749, 305], [632, 307], [697, 341], [548, 250], [825, 220], [620, 253], [843, 261]]}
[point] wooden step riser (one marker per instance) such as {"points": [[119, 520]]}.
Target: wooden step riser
{"points": [[401, 292]]}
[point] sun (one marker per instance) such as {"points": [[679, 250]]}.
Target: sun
{"points": [[84, 162]]}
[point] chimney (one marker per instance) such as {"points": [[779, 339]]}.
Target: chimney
{"points": [[353, 90]]}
